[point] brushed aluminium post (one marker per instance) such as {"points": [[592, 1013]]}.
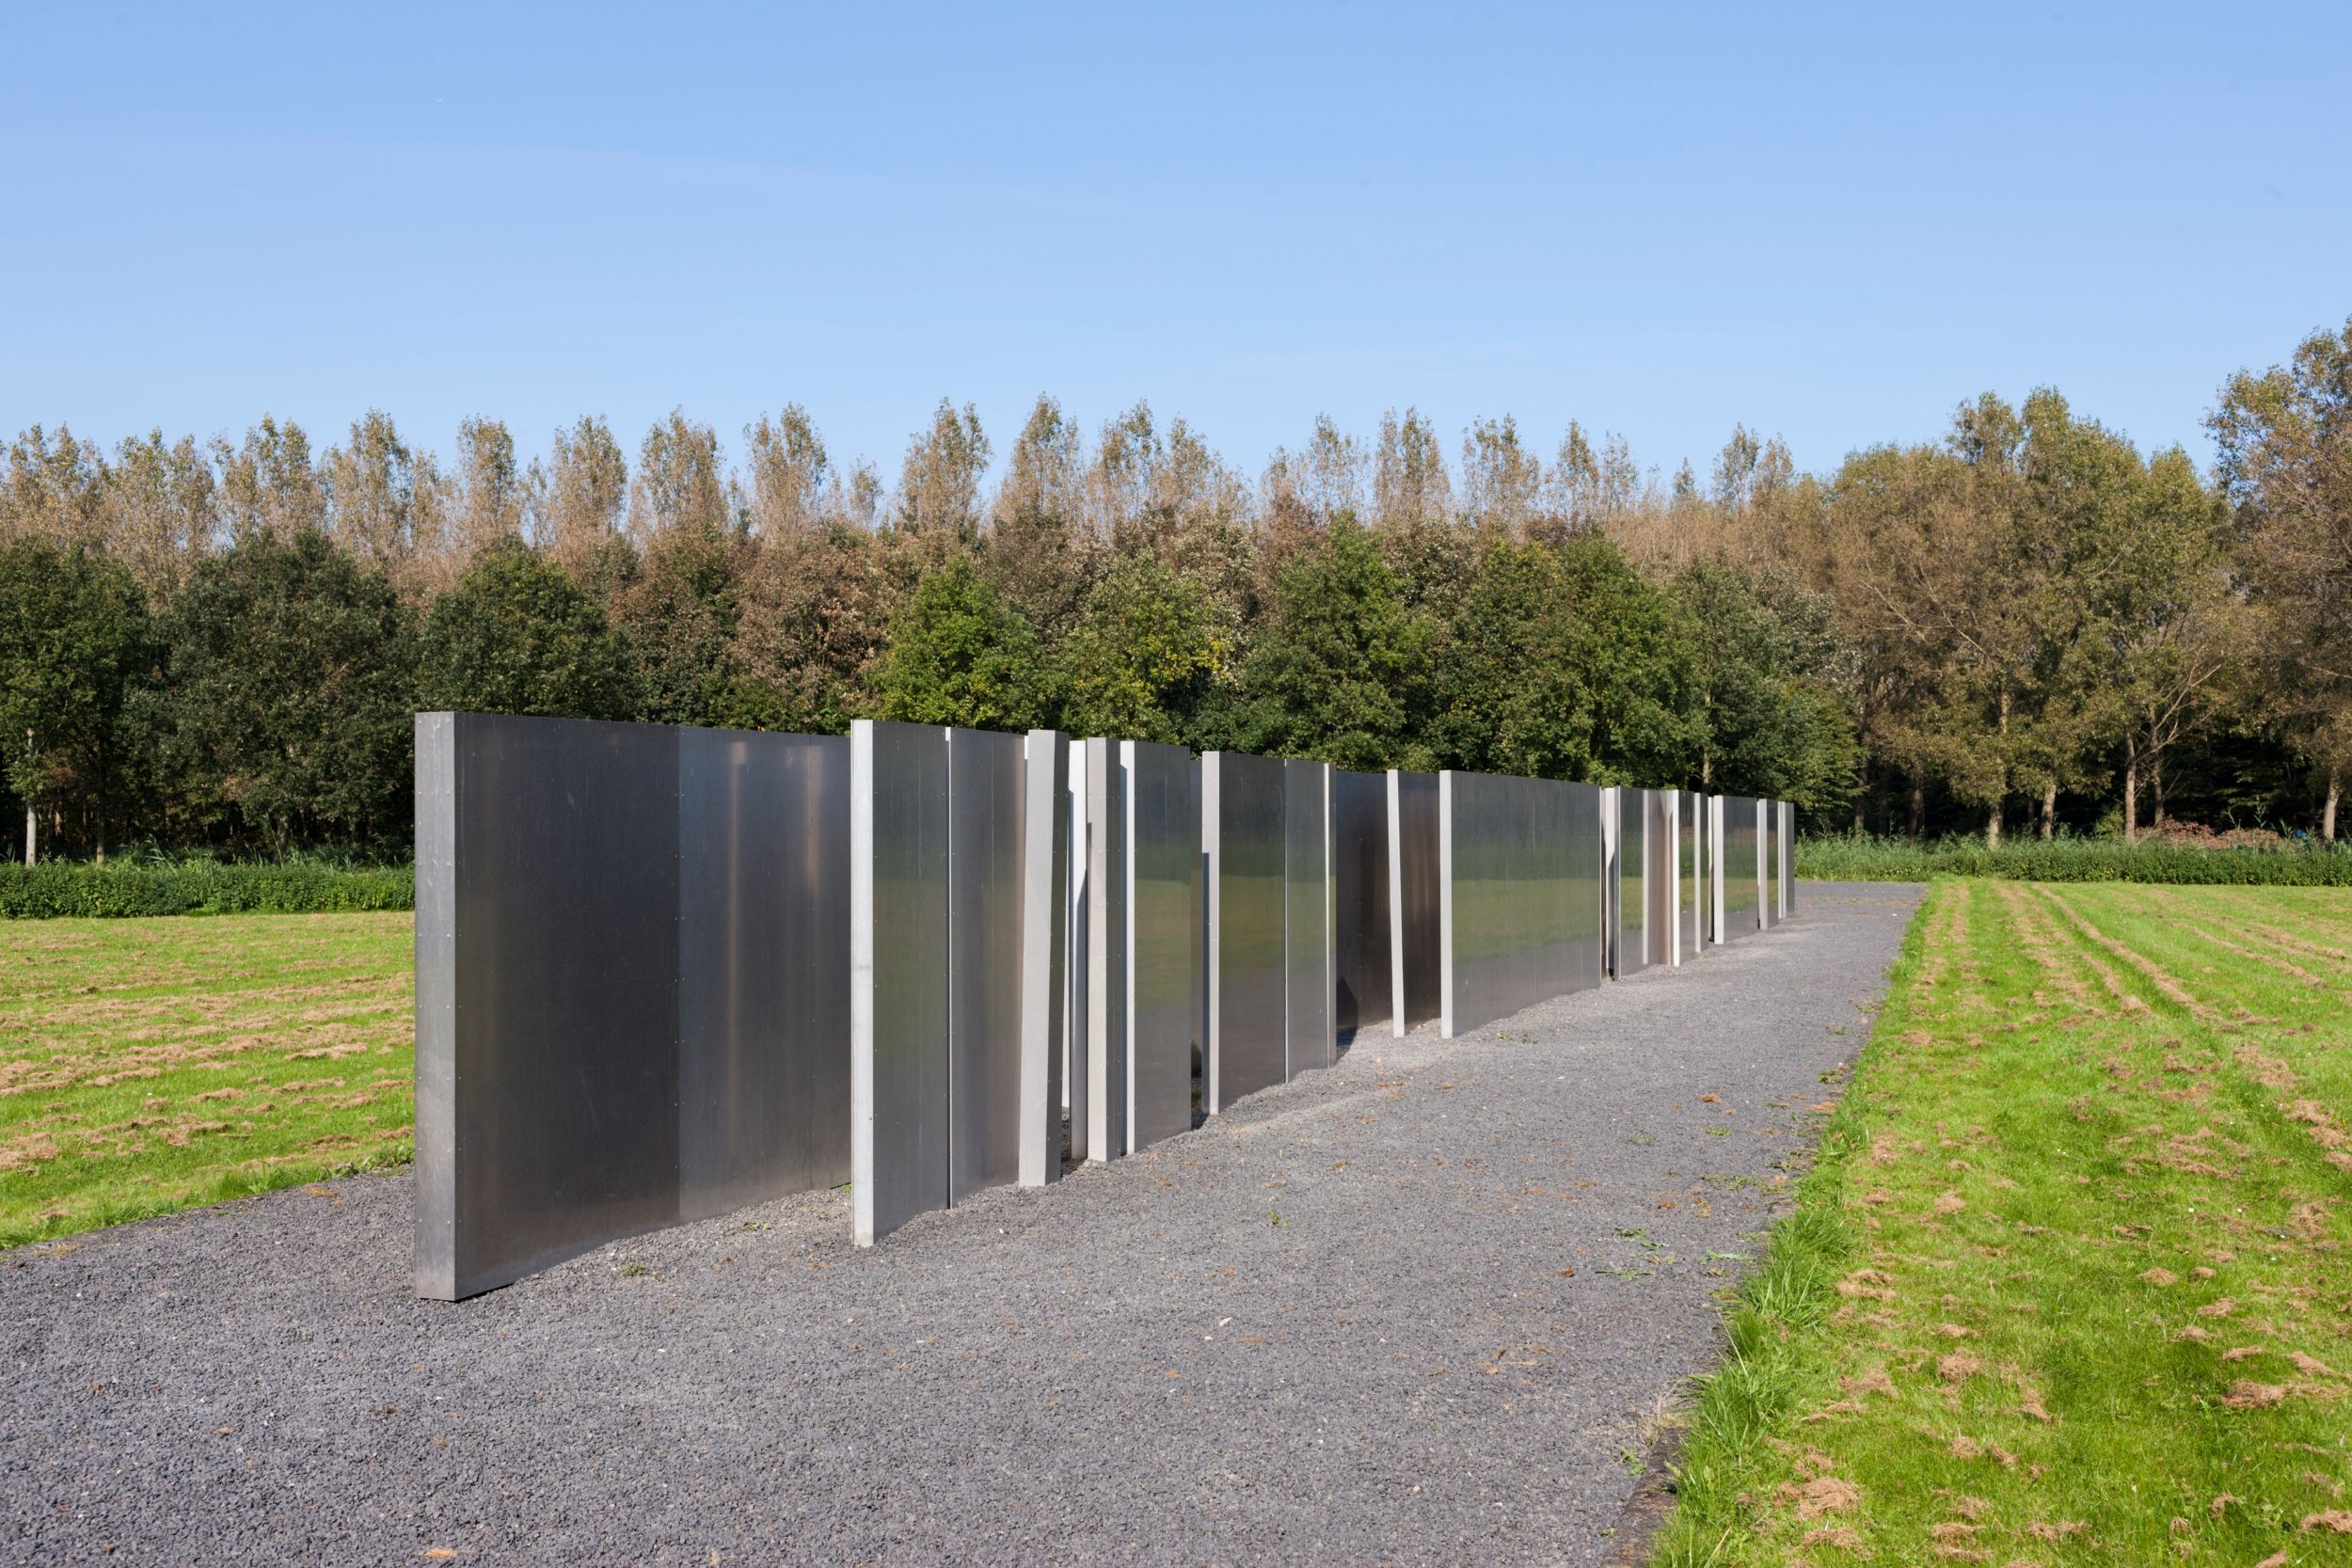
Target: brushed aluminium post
{"points": [[1445, 904], [1106, 922], [1045, 943]]}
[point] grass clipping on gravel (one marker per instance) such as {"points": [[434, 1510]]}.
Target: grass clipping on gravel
{"points": [[2069, 1283], [153, 1065]]}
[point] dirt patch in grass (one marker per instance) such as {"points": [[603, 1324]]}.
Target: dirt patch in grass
{"points": [[152, 1065]]}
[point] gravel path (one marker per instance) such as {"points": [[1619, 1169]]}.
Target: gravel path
{"points": [[1336, 1325]]}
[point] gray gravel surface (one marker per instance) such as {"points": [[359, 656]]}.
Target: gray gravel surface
{"points": [[1335, 1325]]}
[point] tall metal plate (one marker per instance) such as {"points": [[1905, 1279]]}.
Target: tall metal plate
{"points": [[1657, 875], [1768, 863], [898, 957], [1573, 811], [1741, 878], [763, 995], [1106, 952], [986, 772], [1163, 937], [1716, 931], [1075, 1009], [1611, 915], [549, 882], [1632, 881], [1359, 903], [1243, 827], [1312, 1041], [1689, 885], [1044, 949], [1414, 967], [1788, 858]]}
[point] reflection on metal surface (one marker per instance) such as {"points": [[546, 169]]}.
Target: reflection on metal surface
{"points": [[1414, 968], [1310, 1039], [1630, 941], [1106, 952], [1740, 882], [985, 810], [763, 986], [1359, 903], [1657, 875], [1521, 893], [1044, 950], [1163, 937], [547, 910], [1786, 820], [1689, 882], [1075, 1009], [1242, 828], [898, 957]]}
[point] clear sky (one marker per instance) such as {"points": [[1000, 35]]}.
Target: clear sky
{"points": [[1834, 224]]}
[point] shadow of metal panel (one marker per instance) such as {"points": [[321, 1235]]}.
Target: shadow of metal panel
{"points": [[550, 887], [1243, 833], [1415, 969], [763, 926], [1360, 944], [1310, 1039], [898, 973], [1163, 936], [986, 772]]}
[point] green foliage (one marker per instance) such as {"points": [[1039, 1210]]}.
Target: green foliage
{"points": [[61, 889], [1771, 727], [284, 711], [73, 636], [1339, 672], [677, 616], [1848, 859], [517, 636], [1144, 656], [959, 655]]}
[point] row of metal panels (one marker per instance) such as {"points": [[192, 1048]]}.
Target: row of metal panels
{"points": [[663, 973]]}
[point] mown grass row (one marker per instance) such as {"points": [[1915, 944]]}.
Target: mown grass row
{"points": [[2067, 1282], [2079, 860]]}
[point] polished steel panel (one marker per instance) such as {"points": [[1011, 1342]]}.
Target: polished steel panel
{"points": [[1740, 882], [899, 957], [1075, 1115], [1163, 937], [1632, 881], [986, 772], [1359, 903], [1787, 828], [1612, 913], [1657, 875], [1044, 949], [1768, 863], [547, 1051], [1522, 893], [1311, 1039], [763, 932], [1414, 963], [1242, 828], [1716, 932], [1106, 952]]}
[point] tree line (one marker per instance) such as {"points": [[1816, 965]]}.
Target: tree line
{"points": [[2024, 622]]}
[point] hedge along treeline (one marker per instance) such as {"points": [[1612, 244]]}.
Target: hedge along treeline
{"points": [[60, 889], [261, 696], [1892, 860]]}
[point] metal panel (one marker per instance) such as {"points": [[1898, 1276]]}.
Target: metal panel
{"points": [[1076, 1010], [1044, 950], [1106, 953], [1768, 862], [1243, 825], [549, 884], [1632, 893], [1689, 882], [899, 957], [1657, 875], [986, 773], [763, 935], [1716, 933], [1612, 914], [1359, 904], [1414, 964], [1788, 858], [1739, 881], [1311, 1040], [1163, 937], [1521, 895]]}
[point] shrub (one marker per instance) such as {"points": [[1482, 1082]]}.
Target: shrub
{"points": [[70, 888], [2073, 860]]}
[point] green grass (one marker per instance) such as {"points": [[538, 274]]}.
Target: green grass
{"points": [[148, 1066], [125, 890], [2071, 860], [2069, 1283]]}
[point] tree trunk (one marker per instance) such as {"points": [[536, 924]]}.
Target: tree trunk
{"points": [[1918, 806], [32, 817], [2049, 810], [2131, 792], [2155, 784], [2327, 812], [1993, 827]]}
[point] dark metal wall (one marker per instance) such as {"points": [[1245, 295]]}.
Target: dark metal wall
{"points": [[1164, 955], [1243, 826], [985, 871], [1521, 890], [1360, 950], [1740, 875], [1310, 1039], [1629, 948], [1415, 968]]}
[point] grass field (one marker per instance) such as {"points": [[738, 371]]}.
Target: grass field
{"points": [[2071, 1281], [152, 1065]]}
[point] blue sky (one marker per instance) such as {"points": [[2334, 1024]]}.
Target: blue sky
{"points": [[1832, 224]]}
